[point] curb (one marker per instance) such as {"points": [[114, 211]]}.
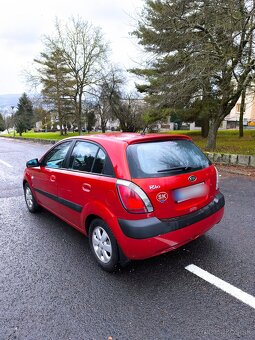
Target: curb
{"points": [[231, 159], [36, 140]]}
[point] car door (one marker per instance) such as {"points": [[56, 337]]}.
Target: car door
{"points": [[89, 173], [45, 178]]}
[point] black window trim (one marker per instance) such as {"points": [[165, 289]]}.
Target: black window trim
{"points": [[66, 156], [68, 159]]}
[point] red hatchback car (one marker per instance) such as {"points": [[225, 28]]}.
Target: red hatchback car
{"points": [[135, 196]]}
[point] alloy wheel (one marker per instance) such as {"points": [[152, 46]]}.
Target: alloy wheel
{"points": [[102, 244], [29, 198]]}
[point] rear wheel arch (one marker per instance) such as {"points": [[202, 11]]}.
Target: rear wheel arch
{"points": [[89, 220], [103, 245], [122, 259], [93, 210]]}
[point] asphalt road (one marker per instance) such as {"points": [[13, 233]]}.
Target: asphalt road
{"points": [[51, 288]]}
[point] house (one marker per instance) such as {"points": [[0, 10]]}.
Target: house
{"points": [[232, 120]]}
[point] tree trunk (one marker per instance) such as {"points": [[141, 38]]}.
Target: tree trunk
{"points": [[103, 124], [61, 127], [103, 128], [212, 134], [205, 128], [242, 107], [79, 112]]}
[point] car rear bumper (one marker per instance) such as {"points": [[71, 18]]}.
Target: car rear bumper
{"points": [[151, 236]]}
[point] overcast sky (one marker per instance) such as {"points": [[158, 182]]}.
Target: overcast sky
{"points": [[23, 23]]}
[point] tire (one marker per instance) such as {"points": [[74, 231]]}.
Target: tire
{"points": [[31, 203], [103, 245]]}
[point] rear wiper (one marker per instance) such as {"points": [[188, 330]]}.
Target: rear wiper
{"points": [[178, 168]]}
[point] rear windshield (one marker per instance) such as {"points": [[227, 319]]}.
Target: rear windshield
{"points": [[164, 158]]}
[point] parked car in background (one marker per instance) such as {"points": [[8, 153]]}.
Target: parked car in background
{"points": [[134, 195]]}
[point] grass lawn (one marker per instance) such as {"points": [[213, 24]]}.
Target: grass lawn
{"points": [[228, 141], [44, 135]]}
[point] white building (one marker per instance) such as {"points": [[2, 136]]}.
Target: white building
{"points": [[232, 119]]}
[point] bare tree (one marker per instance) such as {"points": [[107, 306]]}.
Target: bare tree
{"points": [[103, 94], [115, 103], [84, 51], [8, 122]]}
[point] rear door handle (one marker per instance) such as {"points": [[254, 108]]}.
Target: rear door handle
{"points": [[53, 178], [86, 187]]}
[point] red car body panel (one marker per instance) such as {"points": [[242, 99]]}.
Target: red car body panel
{"points": [[77, 196], [146, 248]]}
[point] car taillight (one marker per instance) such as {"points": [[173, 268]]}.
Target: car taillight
{"points": [[133, 198]]}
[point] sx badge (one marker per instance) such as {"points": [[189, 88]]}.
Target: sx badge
{"points": [[162, 196]]}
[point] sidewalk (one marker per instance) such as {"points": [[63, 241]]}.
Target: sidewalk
{"points": [[236, 170]]}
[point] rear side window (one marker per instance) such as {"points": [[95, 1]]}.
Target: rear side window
{"points": [[90, 157], [83, 156], [164, 158], [103, 164], [99, 162]]}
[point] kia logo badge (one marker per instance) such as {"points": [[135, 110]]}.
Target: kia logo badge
{"points": [[192, 178]]}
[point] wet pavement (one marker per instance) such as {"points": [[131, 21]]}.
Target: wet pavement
{"points": [[51, 288]]}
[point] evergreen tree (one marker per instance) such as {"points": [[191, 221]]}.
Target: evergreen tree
{"points": [[58, 85], [203, 51], [2, 124], [24, 116]]}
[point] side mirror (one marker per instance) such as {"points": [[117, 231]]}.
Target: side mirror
{"points": [[32, 163]]}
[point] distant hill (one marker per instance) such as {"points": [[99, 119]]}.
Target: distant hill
{"points": [[7, 101]]}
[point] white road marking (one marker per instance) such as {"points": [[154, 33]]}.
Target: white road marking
{"points": [[6, 164], [225, 286]]}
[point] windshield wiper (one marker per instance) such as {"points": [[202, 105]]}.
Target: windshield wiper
{"points": [[178, 168]]}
